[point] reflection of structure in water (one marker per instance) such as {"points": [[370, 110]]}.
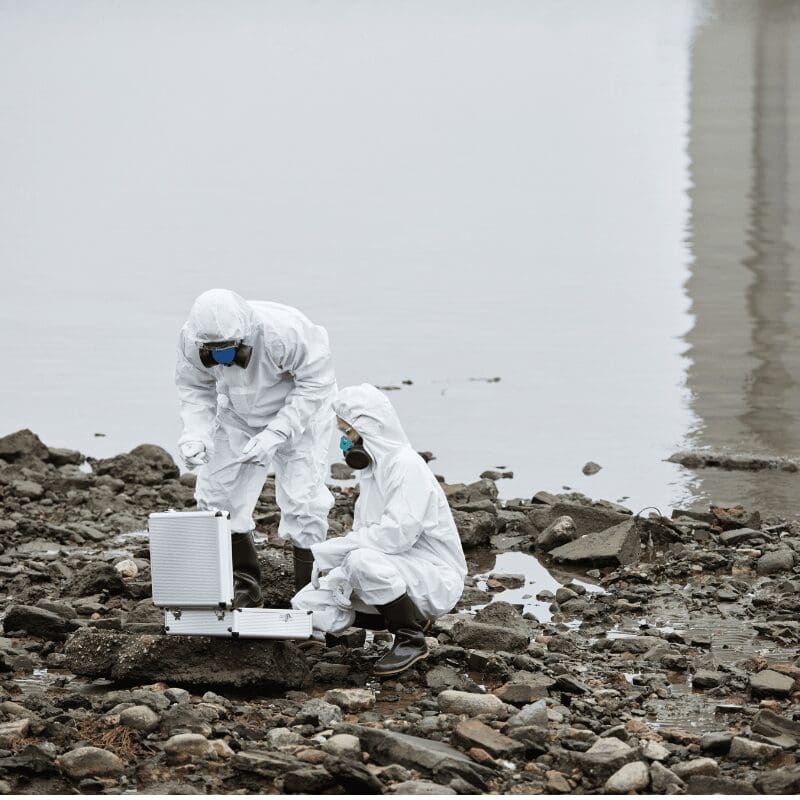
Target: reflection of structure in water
{"points": [[744, 148]]}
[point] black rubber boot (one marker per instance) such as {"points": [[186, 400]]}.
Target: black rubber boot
{"points": [[403, 620], [246, 572], [303, 564], [377, 622]]}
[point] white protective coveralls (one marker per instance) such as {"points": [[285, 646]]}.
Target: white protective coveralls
{"points": [[285, 391], [404, 538]]}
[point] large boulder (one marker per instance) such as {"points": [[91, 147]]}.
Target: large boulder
{"points": [[475, 527], [146, 464], [186, 660], [614, 546], [587, 517], [413, 752], [483, 636], [558, 532], [23, 443], [38, 622], [94, 578]]}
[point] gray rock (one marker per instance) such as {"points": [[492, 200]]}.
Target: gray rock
{"points": [[318, 712], [175, 695], [38, 622], [779, 781], [716, 742], [60, 456], [697, 766], [781, 560], [605, 757], [654, 751], [768, 723], [84, 762], [413, 752], [739, 535], [591, 468], [533, 714], [707, 679], [307, 780], [474, 527], [588, 518], [631, 777], [343, 745], [769, 682], [454, 702], [280, 737], [13, 730], [140, 718], [184, 747], [747, 750], [351, 701], [474, 733], [146, 464], [29, 489], [23, 443], [664, 780], [717, 784], [559, 531], [94, 578], [420, 787], [617, 545], [481, 636], [184, 718], [190, 660]]}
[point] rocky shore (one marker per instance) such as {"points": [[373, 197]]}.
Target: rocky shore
{"points": [[662, 657]]}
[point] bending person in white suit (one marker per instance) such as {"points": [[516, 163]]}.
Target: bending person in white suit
{"points": [[255, 383], [402, 564]]}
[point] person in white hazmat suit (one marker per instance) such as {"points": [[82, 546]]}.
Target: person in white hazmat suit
{"points": [[402, 564], [255, 383]]}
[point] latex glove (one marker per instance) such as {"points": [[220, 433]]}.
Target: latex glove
{"points": [[193, 454], [261, 448]]}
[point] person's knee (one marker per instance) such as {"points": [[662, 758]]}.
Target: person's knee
{"points": [[360, 562]]}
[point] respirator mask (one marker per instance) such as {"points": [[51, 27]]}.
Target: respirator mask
{"points": [[214, 354], [355, 455]]}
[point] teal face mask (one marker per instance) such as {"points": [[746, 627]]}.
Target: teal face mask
{"points": [[345, 444]]}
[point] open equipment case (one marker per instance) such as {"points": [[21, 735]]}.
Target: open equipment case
{"points": [[192, 576]]}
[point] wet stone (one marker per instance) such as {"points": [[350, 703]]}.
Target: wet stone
{"points": [[86, 762], [473, 733], [454, 702], [631, 777], [769, 682]]}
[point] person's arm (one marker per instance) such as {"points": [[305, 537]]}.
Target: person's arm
{"points": [[306, 356], [197, 395], [410, 507]]}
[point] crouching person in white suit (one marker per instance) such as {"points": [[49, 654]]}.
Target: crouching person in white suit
{"points": [[402, 565]]}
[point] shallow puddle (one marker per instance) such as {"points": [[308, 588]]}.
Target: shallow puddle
{"points": [[537, 578]]}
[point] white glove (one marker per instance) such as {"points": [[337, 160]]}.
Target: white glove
{"points": [[261, 448], [315, 576], [193, 454]]}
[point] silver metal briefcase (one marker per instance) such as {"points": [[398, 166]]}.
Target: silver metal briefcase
{"points": [[251, 623], [190, 559]]}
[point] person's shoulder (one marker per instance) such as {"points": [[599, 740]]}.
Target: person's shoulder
{"points": [[407, 461]]}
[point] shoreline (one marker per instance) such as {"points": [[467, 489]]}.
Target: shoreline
{"points": [[662, 657]]}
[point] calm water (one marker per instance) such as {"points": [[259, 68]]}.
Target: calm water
{"points": [[595, 202]]}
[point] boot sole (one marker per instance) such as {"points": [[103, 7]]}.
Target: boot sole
{"points": [[402, 669]]}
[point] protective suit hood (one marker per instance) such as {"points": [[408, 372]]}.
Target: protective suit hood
{"points": [[220, 315], [371, 413]]}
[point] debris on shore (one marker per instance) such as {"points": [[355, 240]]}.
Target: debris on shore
{"points": [[664, 661], [696, 459]]}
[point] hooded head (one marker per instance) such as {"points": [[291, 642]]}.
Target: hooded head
{"points": [[220, 315], [370, 412]]}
